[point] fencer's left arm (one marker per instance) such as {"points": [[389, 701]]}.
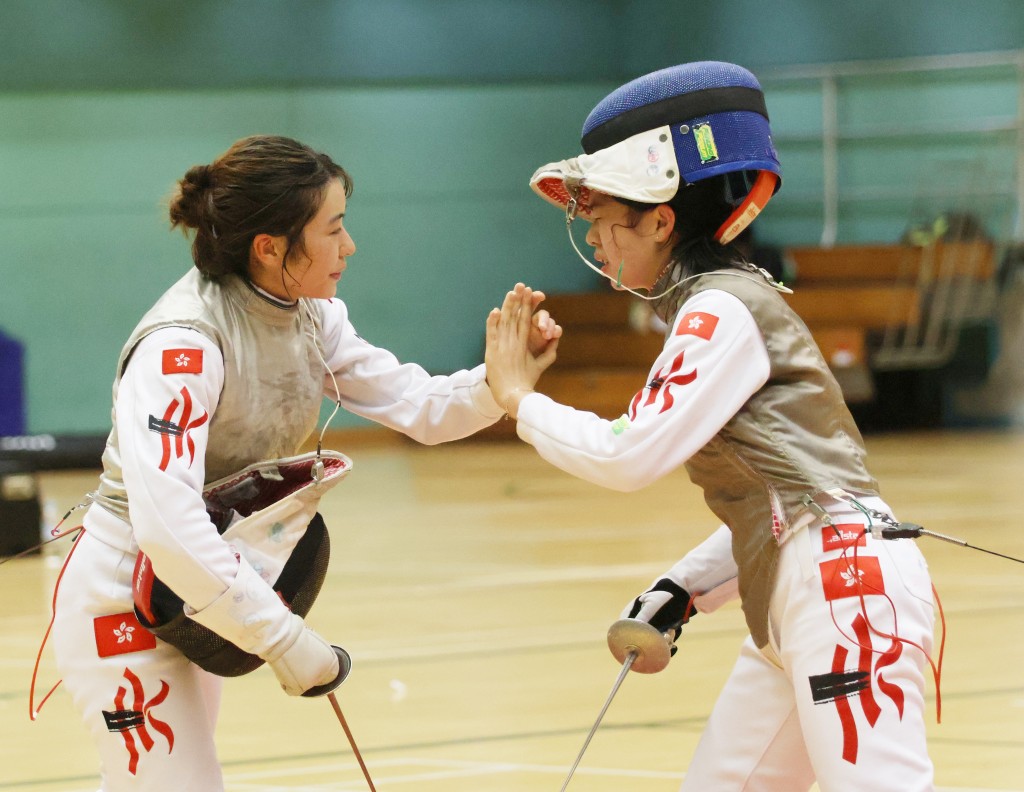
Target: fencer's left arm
{"points": [[713, 361], [703, 580], [165, 400], [709, 571], [162, 417], [373, 383]]}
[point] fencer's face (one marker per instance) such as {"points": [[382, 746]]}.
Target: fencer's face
{"points": [[629, 247], [314, 268]]}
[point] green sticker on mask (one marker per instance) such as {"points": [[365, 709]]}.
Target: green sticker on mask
{"points": [[705, 143]]}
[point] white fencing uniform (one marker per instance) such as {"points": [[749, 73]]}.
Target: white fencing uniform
{"points": [[830, 685], [215, 377]]}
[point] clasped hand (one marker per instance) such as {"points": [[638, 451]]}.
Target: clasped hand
{"points": [[521, 343]]}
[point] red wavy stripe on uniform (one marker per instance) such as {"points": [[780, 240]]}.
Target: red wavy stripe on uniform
{"points": [[161, 726], [188, 438], [891, 689], [186, 413], [129, 740], [867, 696], [634, 404], [683, 379], [844, 710], [165, 441], [140, 702]]}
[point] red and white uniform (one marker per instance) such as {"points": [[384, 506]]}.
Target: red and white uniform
{"points": [[830, 685], [215, 377], [706, 371]]}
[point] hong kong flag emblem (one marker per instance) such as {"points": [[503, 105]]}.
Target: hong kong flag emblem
{"points": [[851, 577], [121, 633], [183, 361], [699, 324]]}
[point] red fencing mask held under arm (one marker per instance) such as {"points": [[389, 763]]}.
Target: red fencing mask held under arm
{"points": [[267, 513]]}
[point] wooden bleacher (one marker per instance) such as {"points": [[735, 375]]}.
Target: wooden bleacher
{"points": [[890, 263], [854, 296]]}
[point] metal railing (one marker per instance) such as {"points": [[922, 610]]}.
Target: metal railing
{"points": [[831, 79]]}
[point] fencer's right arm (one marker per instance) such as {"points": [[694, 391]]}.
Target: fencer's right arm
{"points": [[165, 399], [713, 361], [251, 615], [374, 384], [702, 581]]}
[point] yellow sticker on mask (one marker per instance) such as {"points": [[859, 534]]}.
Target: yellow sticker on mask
{"points": [[705, 143]]}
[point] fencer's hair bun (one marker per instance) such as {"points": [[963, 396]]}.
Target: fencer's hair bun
{"points": [[189, 204], [200, 175]]}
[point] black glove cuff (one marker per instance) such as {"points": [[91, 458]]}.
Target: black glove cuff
{"points": [[678, 610]]}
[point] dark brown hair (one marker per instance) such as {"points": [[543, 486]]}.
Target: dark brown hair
{"points": [[700, 210], [263, 184]]}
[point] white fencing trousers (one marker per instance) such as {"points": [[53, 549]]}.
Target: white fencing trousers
{"points": [[839, 704], [150, 712]]}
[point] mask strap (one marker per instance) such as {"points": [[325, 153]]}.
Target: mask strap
{"points": [[570, 214], [760, 193]]}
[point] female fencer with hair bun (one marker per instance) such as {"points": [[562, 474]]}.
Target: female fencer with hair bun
{"points": [[227, 373]]}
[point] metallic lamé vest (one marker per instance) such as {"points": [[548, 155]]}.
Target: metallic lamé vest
{"points": [[273, 377], [794, 437]]}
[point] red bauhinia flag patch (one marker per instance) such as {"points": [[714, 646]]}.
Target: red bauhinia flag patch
{"points": [[849, 577], [121, 633], [183, 361], [698, 324]]}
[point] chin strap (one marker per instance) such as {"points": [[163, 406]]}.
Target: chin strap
{"points": [[571, 209]]}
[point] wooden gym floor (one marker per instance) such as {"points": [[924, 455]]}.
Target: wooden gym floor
{"points": [[473, 585]]}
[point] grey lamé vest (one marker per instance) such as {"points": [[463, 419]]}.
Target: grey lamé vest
{"points": [[794, 437], [273, 377]]}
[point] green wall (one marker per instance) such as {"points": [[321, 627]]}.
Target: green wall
{"points": [[441, 109]]}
